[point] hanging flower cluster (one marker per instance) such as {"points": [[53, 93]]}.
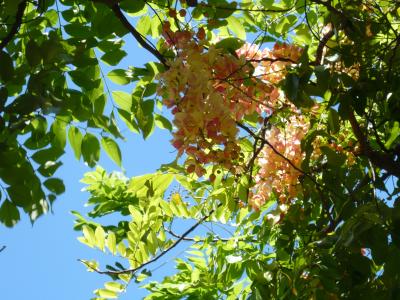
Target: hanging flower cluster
{"points": [[280, 163], [209, 91]]}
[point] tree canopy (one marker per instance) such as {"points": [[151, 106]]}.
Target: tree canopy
{"points": [[285, 119]]}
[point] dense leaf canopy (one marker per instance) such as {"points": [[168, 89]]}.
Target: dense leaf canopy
{"points": [[285, 116]]}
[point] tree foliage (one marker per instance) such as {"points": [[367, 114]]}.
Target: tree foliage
{"points": [[285, 117]]}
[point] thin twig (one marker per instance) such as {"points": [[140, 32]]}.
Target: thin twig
{"points": [[264, 10], [255, 136], [157, 257], [16, 25], [272, 60]]}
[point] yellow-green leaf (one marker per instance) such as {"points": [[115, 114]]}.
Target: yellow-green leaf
{"points": [[107, 294], [114, 286], [111, 242], [100, 237], [123, 100], [236, 27], [112, 149]]}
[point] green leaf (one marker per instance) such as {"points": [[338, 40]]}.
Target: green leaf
{"points": [[112, 149], [303, 36], [291, 86], [55, 185], [90, 149], [9, 214], [107, 294], [77, 30], [162, 122], [334, 159], [119, 76], [395, 132], [75, 139], [114, 286], [132, 6], [123, 100], [49, 168], [25, 104], [100, 237], [58, 129], [19, 195], [231, 259], [145, 118], [127, 118], [236, 26], [166, 208], [112, 58], [143, 26], [33, 53], [89, 235], [51, 16], [111, 242], [230, 44], [156, 27], [333, 121], [141, 277], [224, 9], [84, 80], [45, 155], [6, 67]]}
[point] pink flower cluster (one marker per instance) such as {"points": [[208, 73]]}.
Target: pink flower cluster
{"points": [[209, 91], [278, 173]]}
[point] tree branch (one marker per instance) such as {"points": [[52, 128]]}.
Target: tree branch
{"points": [[196, 240], [120, 15], [272, 60], [117, 11], [16, 25], [264, 10], [383, 161], [322, 44], [161, 254], [256, 137]]}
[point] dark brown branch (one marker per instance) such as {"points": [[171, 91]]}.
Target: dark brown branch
{"points": [[383, 161], [120, 15], [322, 44], [272, 60], [190, 239], [377, 138], [255, 136], [117, 11], [15, 27], [277, 10], [325, 205], [161, 254], [256, 152], [196, 240]]}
